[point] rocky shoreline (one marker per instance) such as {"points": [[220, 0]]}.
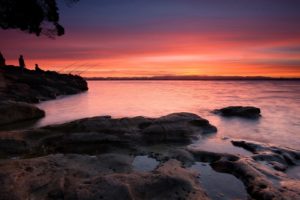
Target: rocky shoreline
{"points": [[98, 157], [93, 158], [32, 86], [19, 87]]}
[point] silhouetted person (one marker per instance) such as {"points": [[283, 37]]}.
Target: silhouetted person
{"points": [[21, 62], [37, 68], [2, 60]]}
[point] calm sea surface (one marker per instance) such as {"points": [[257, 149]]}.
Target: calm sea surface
{"points": [[279, 124], [278, 100]]}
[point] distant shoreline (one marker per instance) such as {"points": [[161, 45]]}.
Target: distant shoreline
{"points": [[190, 78]]}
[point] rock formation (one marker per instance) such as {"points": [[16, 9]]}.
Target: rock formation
{"points": [[260, 173], [104, 134], [35, 86], [11, 112], [239, 111], [77, 177], [97, 159], [93, 158]]}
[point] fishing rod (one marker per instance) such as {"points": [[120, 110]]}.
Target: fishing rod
{"points": [[77, 67], [85, 70], [66, 67], [74, 67]]}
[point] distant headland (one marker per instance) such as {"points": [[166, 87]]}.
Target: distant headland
{"points": [[193, 78]]}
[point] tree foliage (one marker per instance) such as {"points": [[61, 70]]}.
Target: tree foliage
{"points": [[32, 16]]}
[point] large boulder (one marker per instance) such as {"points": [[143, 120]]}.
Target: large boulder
{"points": [[239, 111], [11, 112]]}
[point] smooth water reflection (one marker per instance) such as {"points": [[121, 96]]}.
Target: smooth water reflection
{"points": [[220, 186], [279, 101], [144, 163]]}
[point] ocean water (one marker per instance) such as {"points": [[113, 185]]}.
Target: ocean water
{"points": [[280, 122], [279, 102]]}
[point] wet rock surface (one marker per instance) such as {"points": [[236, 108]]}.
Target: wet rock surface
{"points": [[34, 86], [97, 159], [84, 177], [11, 112], [259, 172], [239, 111], [105, 134], [100, 158]]}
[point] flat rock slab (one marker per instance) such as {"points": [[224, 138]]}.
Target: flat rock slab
{"points": [[103, 134], [80, 177]]}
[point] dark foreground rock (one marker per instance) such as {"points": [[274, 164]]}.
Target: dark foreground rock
{"points": [[104, 134], [78, 177], [107, 172], [239, 111], [279, 158], [11, 112], [259, 172], [34, 86], [94, 158]]}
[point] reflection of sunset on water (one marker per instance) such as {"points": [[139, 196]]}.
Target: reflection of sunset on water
{"points": [[279, 101]]}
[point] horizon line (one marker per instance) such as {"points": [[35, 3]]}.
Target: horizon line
{"points": [[193, 77]]}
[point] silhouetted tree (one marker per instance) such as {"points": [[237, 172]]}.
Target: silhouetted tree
{"points": [[32, 16]]}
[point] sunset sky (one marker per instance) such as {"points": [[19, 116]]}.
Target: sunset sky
{"points": [[167, 37]]}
